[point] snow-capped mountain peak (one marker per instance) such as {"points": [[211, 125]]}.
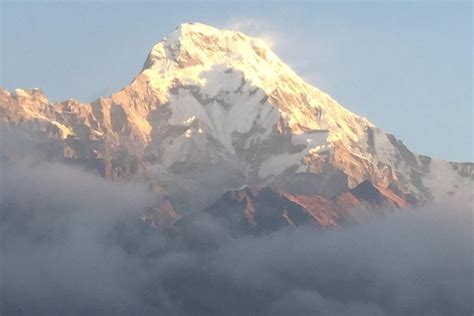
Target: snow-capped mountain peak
{"points": [[193, 44], [194, 51], [211, 97], [220, 61]]}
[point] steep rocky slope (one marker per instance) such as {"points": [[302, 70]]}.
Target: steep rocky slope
{"points": [[256, 210]]}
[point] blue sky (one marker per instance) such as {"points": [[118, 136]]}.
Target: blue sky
{"points": [[407, 67]]}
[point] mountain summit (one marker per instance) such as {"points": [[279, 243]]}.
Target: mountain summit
{"points": [[214, 110]]}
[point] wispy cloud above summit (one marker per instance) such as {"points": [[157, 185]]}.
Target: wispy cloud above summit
{"points": [[262, 29]]}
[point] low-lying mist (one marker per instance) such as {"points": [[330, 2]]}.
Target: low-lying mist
{"points": [[72, 244]]}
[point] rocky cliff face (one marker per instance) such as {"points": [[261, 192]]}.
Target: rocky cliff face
{"points": [[257, 210], [213, 110]]}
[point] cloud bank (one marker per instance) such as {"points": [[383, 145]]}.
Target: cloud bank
{"points": [[72, 244]]}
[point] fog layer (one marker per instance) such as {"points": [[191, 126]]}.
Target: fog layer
{"points": [[72, 244]]}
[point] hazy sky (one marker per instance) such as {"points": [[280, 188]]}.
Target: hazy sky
{"points": [[406, 67]]}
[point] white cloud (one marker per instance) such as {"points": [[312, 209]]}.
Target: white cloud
{"points": [[256, 28]]}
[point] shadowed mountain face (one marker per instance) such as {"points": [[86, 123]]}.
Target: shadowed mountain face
{"points": [[214, 110], [260, 210]]}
